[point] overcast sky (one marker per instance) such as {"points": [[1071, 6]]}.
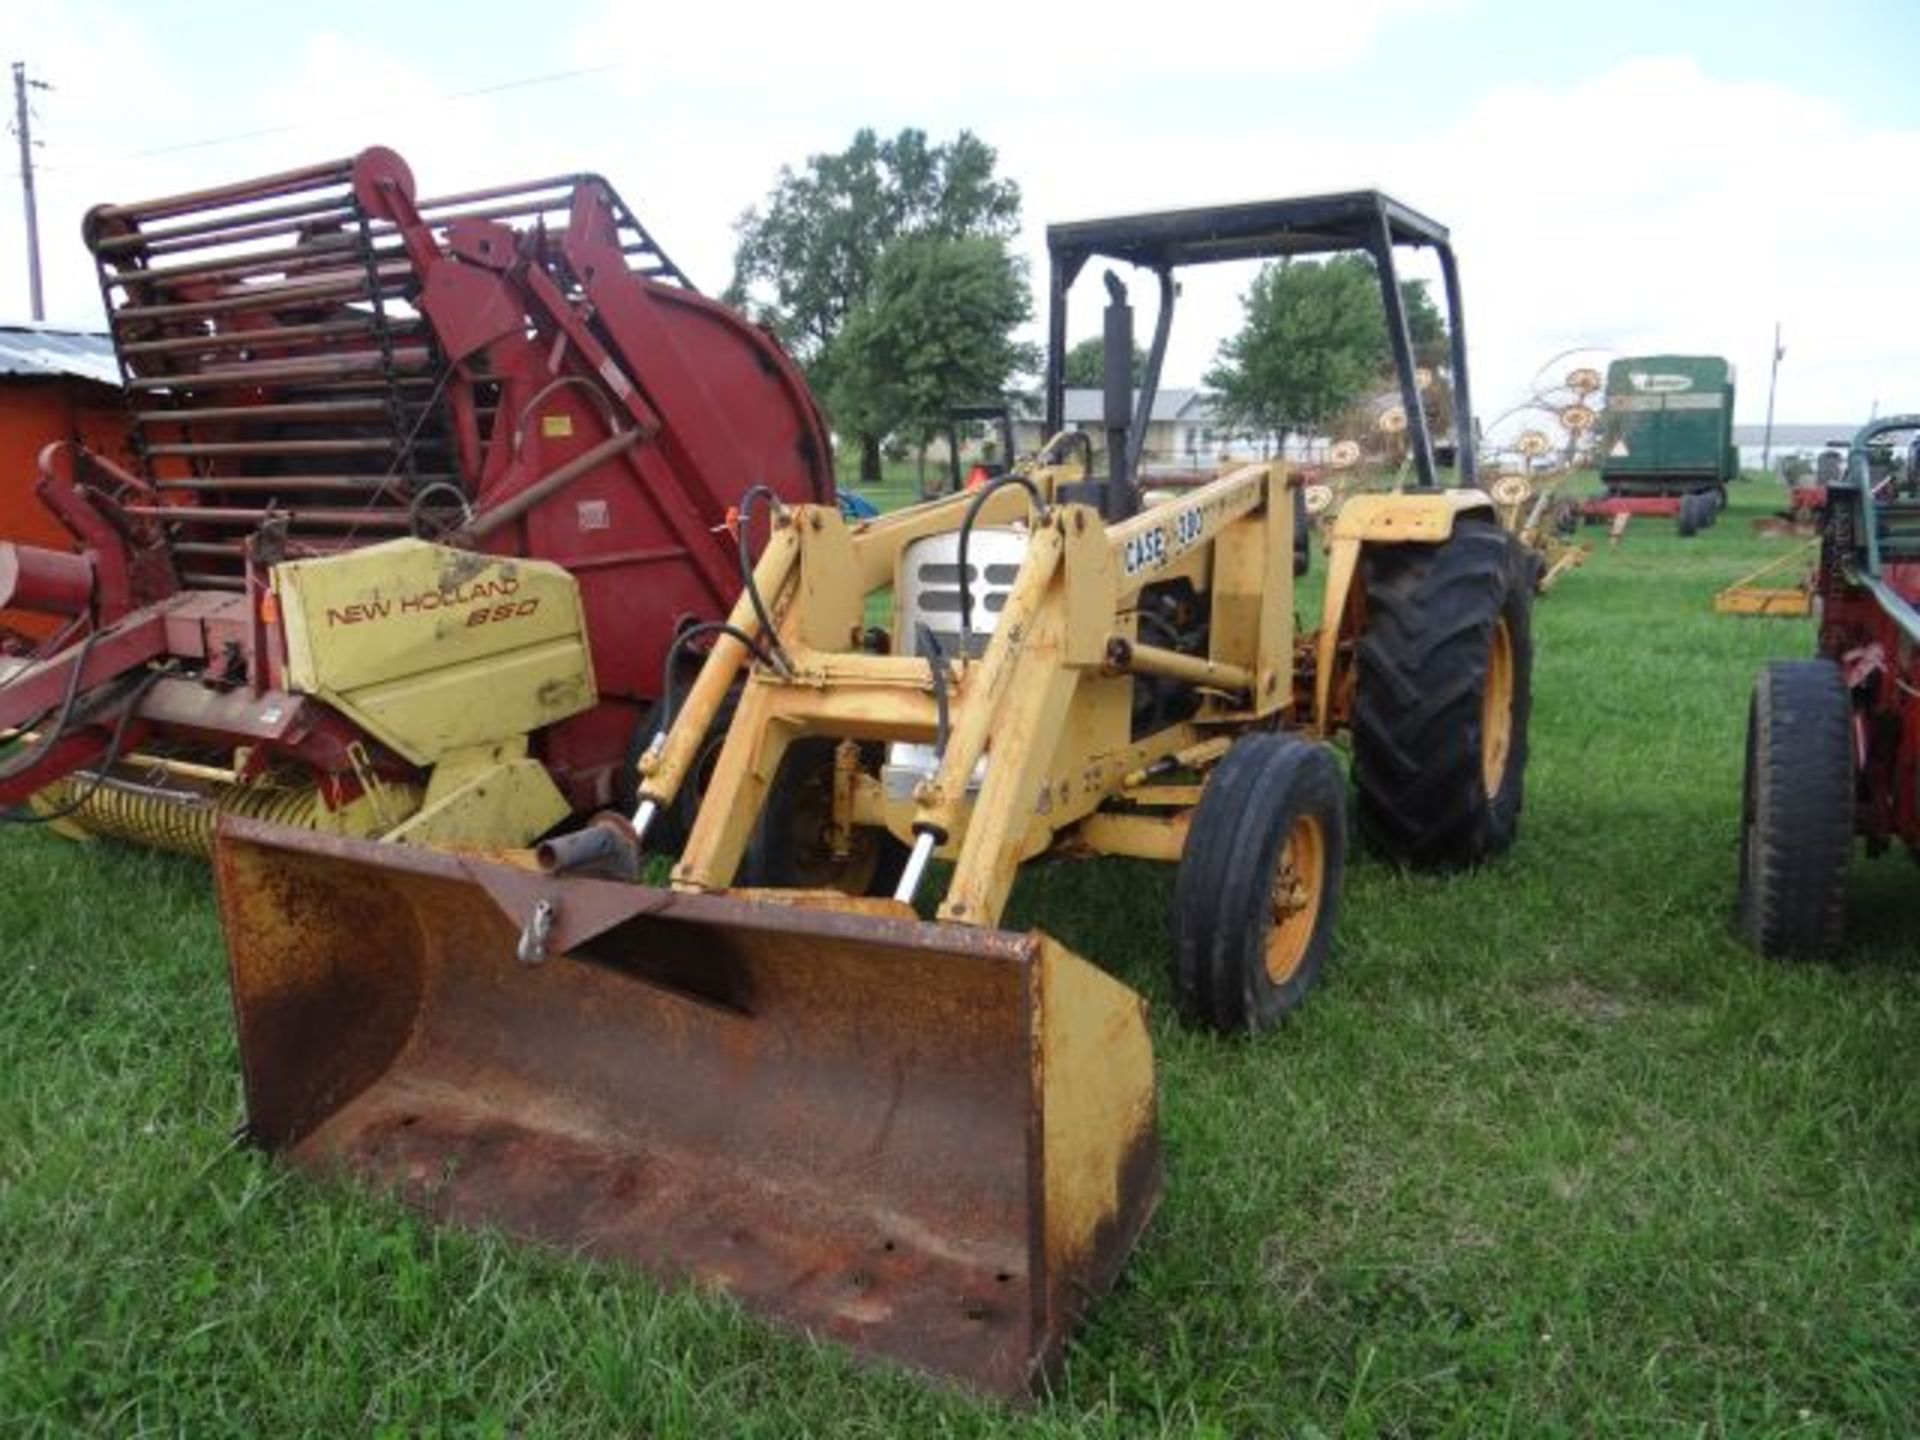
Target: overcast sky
{"points": [[1627, 176]]}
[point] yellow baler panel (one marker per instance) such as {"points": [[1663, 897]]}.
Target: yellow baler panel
{"points": [[432, 649]]}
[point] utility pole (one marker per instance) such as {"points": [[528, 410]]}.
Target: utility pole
{"points": [[22, 126], [1766, 444]]}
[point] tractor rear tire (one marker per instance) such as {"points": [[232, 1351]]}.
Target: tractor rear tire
{"points": [[1443, 696], [1797, 809], [1258, 889], [790, 848]]}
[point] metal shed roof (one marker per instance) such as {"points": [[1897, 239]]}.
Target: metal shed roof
{"points": [[53, 350]]}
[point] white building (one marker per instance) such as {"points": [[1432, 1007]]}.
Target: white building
{"points": [[1183, 432]]}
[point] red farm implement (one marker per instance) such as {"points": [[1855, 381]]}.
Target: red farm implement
{"points": [[424, 492], [1691, 512], [1833, 743]]}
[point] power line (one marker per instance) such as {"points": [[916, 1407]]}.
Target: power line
{"points": [[523, 83], [213, 140]]}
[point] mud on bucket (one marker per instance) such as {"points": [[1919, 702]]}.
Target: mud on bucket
{"points": [[931, 1143]]}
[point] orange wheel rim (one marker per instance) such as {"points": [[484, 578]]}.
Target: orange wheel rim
{"points": [[1299, 884], [1496, 710]]}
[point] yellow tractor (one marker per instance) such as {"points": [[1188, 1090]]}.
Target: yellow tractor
{"points": [[927, 1138]]}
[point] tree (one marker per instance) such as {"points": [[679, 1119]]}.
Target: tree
{"points": [[806, 257], [1087, 364], [1313, 341], [935, 329], [1425, 327]]}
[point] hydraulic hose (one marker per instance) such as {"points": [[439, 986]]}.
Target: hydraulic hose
{"points": [[760, 611], [669, 700], [937, 663], [115, 745], [966, 531], [20, 763]]}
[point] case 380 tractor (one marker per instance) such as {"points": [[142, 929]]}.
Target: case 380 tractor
{"points": [[930, 1139], [1833, 743], [425, 489]]}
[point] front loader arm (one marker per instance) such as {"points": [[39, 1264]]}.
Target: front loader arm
{"points": [[1047, 701], [875, 547], [665, 765]]}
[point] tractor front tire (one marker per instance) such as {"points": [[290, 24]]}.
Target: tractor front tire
{"points": [[1443, 695], [792, 846], [1258, 888], [1796, 809]]}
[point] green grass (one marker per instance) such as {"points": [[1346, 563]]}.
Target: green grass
{"points": [[1549, 1154], [899, 482]]}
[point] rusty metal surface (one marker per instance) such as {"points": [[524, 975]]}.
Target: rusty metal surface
{"points": [[318, 362], [833, 1116]]}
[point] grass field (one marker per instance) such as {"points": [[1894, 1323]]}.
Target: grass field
{"points": [[1549, 1154]]}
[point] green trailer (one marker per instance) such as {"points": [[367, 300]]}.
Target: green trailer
{"points": [[1669, 426]]}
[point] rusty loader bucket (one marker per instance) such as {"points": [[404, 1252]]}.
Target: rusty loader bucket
{"points": [[928, 1142]]}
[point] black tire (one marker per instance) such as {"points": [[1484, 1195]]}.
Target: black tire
{"points": [[1709, 510], [1438, 790], [1797, 809], [1259, 806], [1688, 520], [789, 849], [671, 826]]}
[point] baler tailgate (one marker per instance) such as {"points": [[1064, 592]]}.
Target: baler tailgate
{"points": [[929, 1142]]}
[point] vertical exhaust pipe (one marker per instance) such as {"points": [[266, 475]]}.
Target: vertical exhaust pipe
{"points": [[1117, 406]]}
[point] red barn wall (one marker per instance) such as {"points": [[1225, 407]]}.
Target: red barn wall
{"points": [[35, 411]]}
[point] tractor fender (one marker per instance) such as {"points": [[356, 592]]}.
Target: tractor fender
{"points": [[1399, 519], [1425, 518]]}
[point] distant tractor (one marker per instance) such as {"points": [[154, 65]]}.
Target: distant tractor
{"points": [[1666, 443], [1833, 743], [994, 461]]}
